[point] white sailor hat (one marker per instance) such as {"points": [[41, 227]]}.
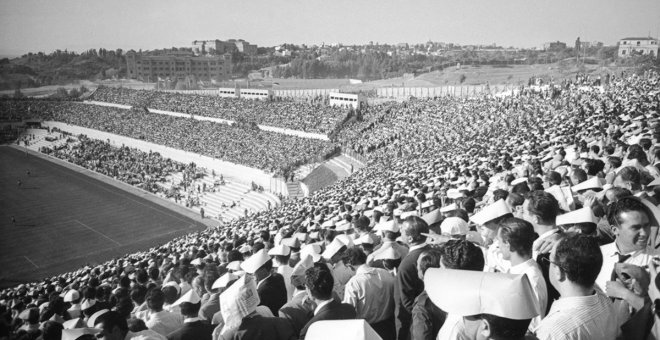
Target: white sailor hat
{"points": [[75, 333], [341, 329], [224, 280], [584, 215], [279, 250], [491, 212], [255, 261], [190, 297], [466, 292]]}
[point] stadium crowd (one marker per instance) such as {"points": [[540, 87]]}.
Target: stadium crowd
{"points": [[303, 116], [147, 171], [269, 151], [530, 216]]}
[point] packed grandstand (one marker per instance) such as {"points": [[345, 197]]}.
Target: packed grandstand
{"points": [[548, 200]]}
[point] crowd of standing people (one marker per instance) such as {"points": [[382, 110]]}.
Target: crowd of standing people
{"points": [[530, 216]]}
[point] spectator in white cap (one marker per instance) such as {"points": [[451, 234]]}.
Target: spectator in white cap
{"points": [[301, 307], [516, 237], [193, 326], [454, 227], [73, 298], [270, 286], [281, 255], [487, 220], [390, 232], [582, 311], [489, 306], [371, 292]]}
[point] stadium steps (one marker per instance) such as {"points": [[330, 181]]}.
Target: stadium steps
{"points": [[295, 190], [330, 171]]}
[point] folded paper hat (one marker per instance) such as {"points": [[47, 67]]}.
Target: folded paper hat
{"points": [[346, 240], [519, 180], [491, 212], [343, 225], [196, 262], [234, 265], [328, 224], [591, 183], [397, 212], [313, 250], [280, 250], [74, 323], [454, 226], [387, 254], [298, 273], [449, 208], [466, 292], [387, 226], [245, 248], [427, 204], [332, 248], [366, 239], [368, 213], [71, 295], [255, 261], [341, 329], [75, 333], [291, 242], [91, 322], [224, 280], [654, 183], [584, 215], [407, 214], [87, 303], [432, 217], [191, 297], [454, 193]]}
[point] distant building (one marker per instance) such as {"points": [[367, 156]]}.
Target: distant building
{"points": [[346, 99], [554, 46], [638, 46], [178, 65], [219, 47]]}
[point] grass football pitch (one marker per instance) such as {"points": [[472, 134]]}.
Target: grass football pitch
{"points": [[59, 219]]}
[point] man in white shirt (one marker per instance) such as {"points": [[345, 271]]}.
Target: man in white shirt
{"points": [[581, 312], [516, 237], [371, 292], [631, 226], [159, 320]]}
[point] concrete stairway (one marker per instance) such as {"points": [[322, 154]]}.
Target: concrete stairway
{"points": [[295, 190]]}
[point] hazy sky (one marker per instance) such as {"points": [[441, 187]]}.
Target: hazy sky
{"points": [[46, 25]]}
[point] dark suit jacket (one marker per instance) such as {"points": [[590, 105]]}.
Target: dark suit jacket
{"points": [[272, 293], [427, 318], [198, 330], [553, 294], [298, 311], [334, 310], [410, 286], [210, 307], [257, 327]]}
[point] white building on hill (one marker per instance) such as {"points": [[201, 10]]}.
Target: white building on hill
{"points": [[638, 46]]}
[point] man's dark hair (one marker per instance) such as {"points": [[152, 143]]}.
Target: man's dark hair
{"points": [[170, 293], [515, 199], [319, 281], [354, 257], [52, 330], [155, 299], [609, 149], [500, 194], [580, 175], [519, 234], [580, 258], [595, 149], [416, 226], [543, 205], [111, 320], [462, 254], [430, 259], [139, 294], [520, 188], [190, 310], [505, 328], [362, 223], [624, 204], [469, 204], [632, 175], [615, 162], [553, 177], [141, 276]]}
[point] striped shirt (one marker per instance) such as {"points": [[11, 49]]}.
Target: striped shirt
{"points": [[579, 318]]}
